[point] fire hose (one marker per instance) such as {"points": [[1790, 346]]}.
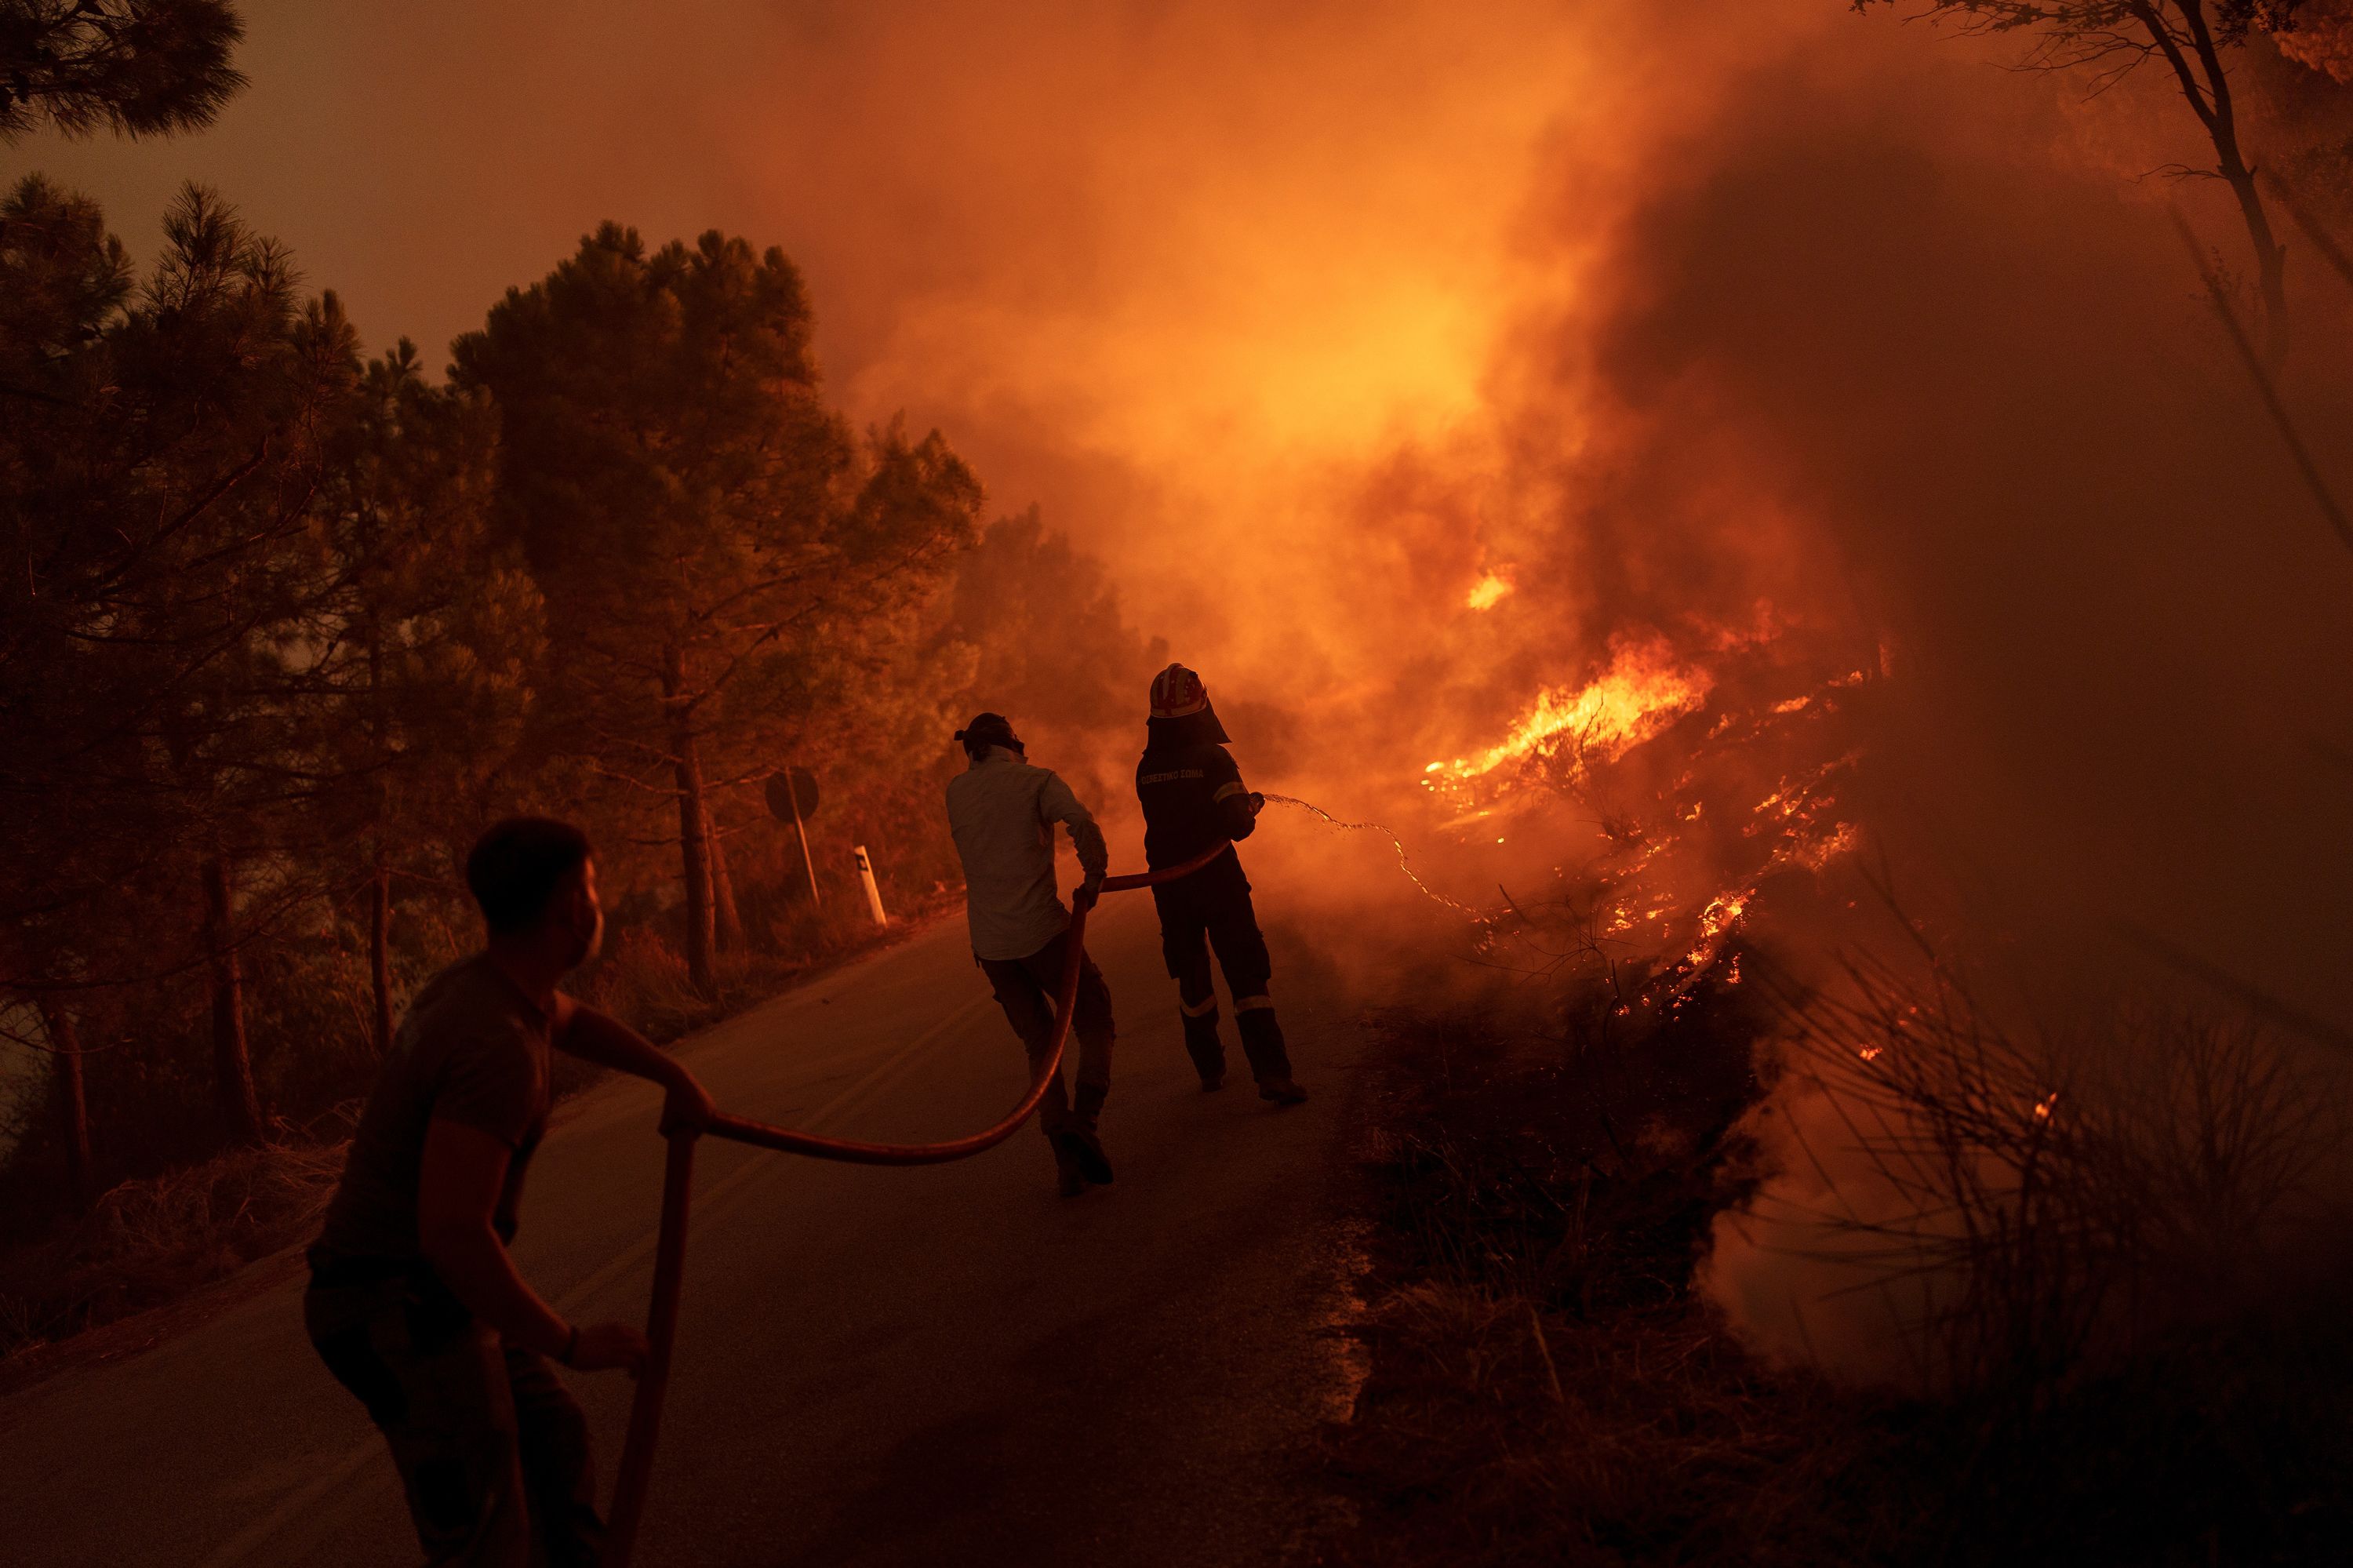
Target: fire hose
{"points": [[677, 1180]]}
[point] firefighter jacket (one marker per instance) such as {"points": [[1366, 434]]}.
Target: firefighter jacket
{"points": [[1193, 796], [1002, 812]]}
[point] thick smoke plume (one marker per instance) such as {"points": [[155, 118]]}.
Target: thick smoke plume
{"points": [[1777, 326], [1899, 344], [1408, 362], [1802, 328]]}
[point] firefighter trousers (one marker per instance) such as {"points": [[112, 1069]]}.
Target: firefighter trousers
{"points": [[1210, 910]]}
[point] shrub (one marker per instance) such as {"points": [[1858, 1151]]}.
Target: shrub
{"points": [[147, 1241], [2035, 1204]]}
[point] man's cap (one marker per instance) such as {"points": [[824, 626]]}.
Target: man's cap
{"points": [[1176, 692], [990, 729]]}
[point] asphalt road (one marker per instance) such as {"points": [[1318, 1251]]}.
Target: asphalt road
{"points": [[942, 1365]]}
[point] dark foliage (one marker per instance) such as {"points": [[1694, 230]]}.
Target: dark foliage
{"points": [[1545, 1385], [138, 68]]}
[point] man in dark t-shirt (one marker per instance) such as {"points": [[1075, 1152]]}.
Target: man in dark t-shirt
{"points": [[1193, 798], [413, 1303], [473, 1050]]}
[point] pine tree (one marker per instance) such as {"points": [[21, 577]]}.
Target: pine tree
{"points": [[693, 512], [423, 631], [156, 495], [139, 67]]}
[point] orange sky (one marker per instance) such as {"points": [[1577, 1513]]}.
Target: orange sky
{"points": [[1300, 314], [1133, 258], [1309, 316]]}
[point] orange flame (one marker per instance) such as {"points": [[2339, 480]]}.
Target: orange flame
{"points": [[1644, 691], [1490, 592]]}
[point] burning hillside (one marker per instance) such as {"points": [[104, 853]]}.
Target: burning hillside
{"points": [[1647, 810]]}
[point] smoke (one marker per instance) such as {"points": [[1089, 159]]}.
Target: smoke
{"points": [[1759, 322], [1897, 344], [1779, 323], [1767, 326], [2322, 38], [1199, 267], [1774, 316]]}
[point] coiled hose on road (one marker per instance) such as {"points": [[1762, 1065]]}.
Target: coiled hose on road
{"points": [[678, 1182]]}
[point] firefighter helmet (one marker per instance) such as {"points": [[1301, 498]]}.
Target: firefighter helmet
{"points": [[1176, 691]]}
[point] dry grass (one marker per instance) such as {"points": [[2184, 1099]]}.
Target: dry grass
{"points": [[2046, 1205], [1498, 1431], [1545, 1388], [1546, 1385], [150, 1241], [642, 981]]}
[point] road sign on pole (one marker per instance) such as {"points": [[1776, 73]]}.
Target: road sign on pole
{"points": [[792, 797]]}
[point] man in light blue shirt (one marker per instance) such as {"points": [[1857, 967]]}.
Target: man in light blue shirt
{"points": [[1002, 812]]}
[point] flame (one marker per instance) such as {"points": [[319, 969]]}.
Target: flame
{"points": [[1645, 689], [1816, 853], [1715, 924], [1489, 593], [1662, 894]]}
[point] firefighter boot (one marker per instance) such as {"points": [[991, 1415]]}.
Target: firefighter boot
{"points": [[1077, 1136], [1263, 1043], [1202, 1043]]}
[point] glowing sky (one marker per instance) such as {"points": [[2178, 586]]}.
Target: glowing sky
{"points": [[1097, 243]]}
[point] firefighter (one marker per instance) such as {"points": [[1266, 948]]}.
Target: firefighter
{"points": [[1002, 812], [1193, 797]]}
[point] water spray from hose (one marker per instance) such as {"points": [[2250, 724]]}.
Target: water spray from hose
{"points": [[1480, 917]]}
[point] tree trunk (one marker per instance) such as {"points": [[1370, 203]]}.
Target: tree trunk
{"points": [[380, 947], [73, 1107], [379, 889], [2207, 85], [694, 849], [729, 917], [238, 1105], [2271, 256]]}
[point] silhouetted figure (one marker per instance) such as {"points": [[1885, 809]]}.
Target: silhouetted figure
{"points": [[1193, 797], [1002, 812], [413, 1303]]}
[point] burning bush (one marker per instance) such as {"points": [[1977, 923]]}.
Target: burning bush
{"points": [[1998, 1210]]}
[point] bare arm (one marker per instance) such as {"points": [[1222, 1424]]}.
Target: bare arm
{"points": [[457, 1196], [593, 1036]]}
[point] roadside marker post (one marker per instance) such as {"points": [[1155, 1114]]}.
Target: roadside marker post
{"points": [[874, 893]]}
